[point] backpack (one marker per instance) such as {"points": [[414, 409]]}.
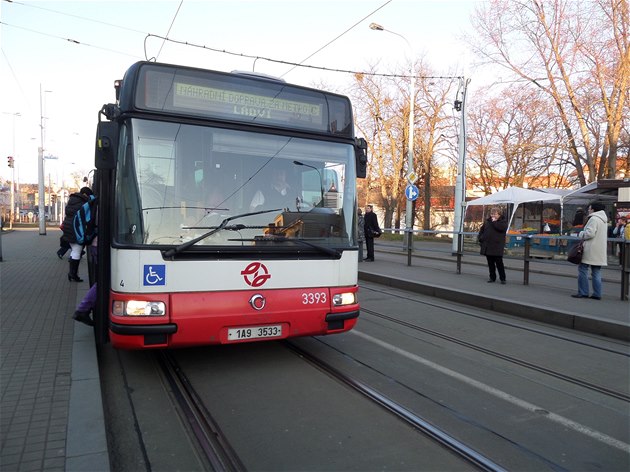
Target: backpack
{"points": [[84, 222]]}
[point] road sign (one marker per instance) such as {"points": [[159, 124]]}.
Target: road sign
{"points": [[412, 177], [411, 192]]}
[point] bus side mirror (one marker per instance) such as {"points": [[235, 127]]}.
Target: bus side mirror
{"points": [[360, 155], [106, 145]]}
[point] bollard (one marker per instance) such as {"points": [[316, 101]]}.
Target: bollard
{"points": [[409, 238], [625, 270], [460, 250], [528, 243]]}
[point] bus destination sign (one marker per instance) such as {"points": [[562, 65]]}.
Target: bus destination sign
{"points": [[222, 101]]}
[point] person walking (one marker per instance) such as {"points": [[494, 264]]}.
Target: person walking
{"points": [[75, 202], [63, 246], [595, 236], [82, 313], [492, 240], [372, 230], [620, 232], [360, 232]]}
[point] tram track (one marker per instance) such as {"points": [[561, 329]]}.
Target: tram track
{"points": [[211, 440], [513, 324], [512, 359], [468, 454]]}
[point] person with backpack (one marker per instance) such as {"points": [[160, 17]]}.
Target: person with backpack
{"points": [[75, 203]]}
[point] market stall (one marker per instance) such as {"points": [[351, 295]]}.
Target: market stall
{"points": [[537, 218]]}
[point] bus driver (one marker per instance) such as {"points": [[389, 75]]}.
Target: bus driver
{"points": [[276, 195]]}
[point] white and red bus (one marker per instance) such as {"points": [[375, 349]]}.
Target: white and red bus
{"points": [[227, 210]]}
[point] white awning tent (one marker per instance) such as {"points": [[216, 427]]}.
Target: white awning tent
{"points": [[581, 196], [514, 196]]}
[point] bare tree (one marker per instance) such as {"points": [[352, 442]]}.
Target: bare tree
{"points": [[379, 115], [433, 124], [577, 53], [513, 141]]}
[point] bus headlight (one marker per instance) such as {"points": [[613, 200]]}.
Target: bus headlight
{"points": [[347, 298], [138, 308]]}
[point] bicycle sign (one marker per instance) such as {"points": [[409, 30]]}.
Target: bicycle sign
{"points": [[154, 275]]}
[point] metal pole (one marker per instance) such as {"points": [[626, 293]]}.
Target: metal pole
{"points": [[12, 212], [40, 168], [410, 156], [460, 181]]}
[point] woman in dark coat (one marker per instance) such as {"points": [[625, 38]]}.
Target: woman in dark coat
{"points": [[75, 202], [492, 240]]}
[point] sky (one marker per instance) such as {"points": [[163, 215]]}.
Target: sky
{"points": [[59, 59]]}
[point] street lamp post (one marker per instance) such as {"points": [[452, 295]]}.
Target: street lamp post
{"points": [[460, 182], [40, 167], [410, 157]]}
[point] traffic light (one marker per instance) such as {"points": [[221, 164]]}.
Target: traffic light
{"points": [[11, 161]]}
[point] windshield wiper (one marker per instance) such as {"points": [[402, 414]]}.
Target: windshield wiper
{"points": [[224, 225], [283, 239], [188, 208]]}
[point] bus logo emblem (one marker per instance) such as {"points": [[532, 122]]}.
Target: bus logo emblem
{"points": [[257, 302], [255, 274]]}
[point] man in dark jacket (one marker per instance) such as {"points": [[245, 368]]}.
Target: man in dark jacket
{"points": [[75, 202], [492, 240], [372, 230]]}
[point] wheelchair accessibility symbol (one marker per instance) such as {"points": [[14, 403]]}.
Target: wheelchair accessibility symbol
{"points": [[154, 275]]}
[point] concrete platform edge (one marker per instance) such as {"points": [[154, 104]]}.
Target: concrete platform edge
{"points": [[86, 447], [554, 317]]}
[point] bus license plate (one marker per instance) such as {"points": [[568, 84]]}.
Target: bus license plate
{"points": [[254, 332]]}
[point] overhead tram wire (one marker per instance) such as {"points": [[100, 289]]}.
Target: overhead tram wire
{"points": [[75, 16], [335, 39], [169, 29], [222, 51], [279, 61], [69, 40]]}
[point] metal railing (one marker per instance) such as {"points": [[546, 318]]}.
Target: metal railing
{"points": [[525, 247]]}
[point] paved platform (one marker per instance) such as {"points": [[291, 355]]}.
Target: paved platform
{"points": [[546, 297], [51, 414]]}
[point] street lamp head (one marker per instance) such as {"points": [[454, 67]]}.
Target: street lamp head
{"points": [[376, 27]]}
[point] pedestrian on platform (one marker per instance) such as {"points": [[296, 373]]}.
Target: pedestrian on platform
{"points": [[88, 302], [578, 219], [360, 232], [63, 245], [595, 236], [619, 232], [372, 230], [75, 202], [82, 312], [492, 240]]}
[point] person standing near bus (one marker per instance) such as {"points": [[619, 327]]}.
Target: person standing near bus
{"points": [[372, 230], [360, 232], [75, 202], [595, 236], [492, 239]]}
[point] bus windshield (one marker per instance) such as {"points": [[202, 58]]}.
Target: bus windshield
{"points": [[177, 182]]}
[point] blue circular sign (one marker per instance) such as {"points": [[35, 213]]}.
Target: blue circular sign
{"points": [[411, 192]]}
